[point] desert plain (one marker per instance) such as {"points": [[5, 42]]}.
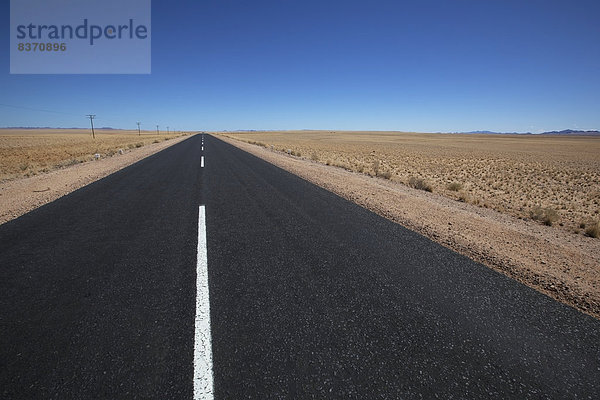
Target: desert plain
{"points": [[525, 206], [29, 152], [552, 179]]}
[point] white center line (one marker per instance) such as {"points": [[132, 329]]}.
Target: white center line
{"points": [[202, 148], [203, 371], [202, 162]]}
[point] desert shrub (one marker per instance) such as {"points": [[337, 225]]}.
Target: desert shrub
{"points": [[314, 156], [376, 167], [464, 197], [454, 186], [547, 216], [420, 184], [139, 144], [342, 164], [68, 163], [386, 174], [593, 230]]}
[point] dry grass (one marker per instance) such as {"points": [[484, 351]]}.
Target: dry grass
{"points": [[25, 153], [509, 173], [547, 216], [420, 184], [593, 230], [454, 186]]}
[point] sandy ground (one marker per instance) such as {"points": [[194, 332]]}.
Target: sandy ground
{"points": [[554, 179], [20, 196], [555, 262]]}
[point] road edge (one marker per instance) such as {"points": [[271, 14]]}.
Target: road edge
{"points": [[550, 277], [20, 196]]}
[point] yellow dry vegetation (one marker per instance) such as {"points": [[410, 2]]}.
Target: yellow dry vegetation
{"points": [[555, 179], [28, 152]]}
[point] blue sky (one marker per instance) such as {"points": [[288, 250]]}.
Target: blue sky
{"points": [[446, 65]]}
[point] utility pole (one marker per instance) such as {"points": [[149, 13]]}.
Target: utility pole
{"points": [[167, 130], [157, 132], [139, 132], [91, 117]]}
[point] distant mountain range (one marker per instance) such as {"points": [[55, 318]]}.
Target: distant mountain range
{"points": [[568, 132], [493, 133], [573, 132]]}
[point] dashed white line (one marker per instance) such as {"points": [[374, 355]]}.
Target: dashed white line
{"points": [[202, 148], [202, 162], [203, 371]]}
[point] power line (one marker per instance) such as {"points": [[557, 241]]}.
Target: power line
{"points": [[72, 114], [36, 109], [113, 117]]}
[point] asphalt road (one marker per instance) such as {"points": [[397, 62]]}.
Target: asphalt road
{"points": [[311, 296]]}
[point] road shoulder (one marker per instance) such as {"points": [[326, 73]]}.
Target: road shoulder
{"points": [[20, 196]]}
